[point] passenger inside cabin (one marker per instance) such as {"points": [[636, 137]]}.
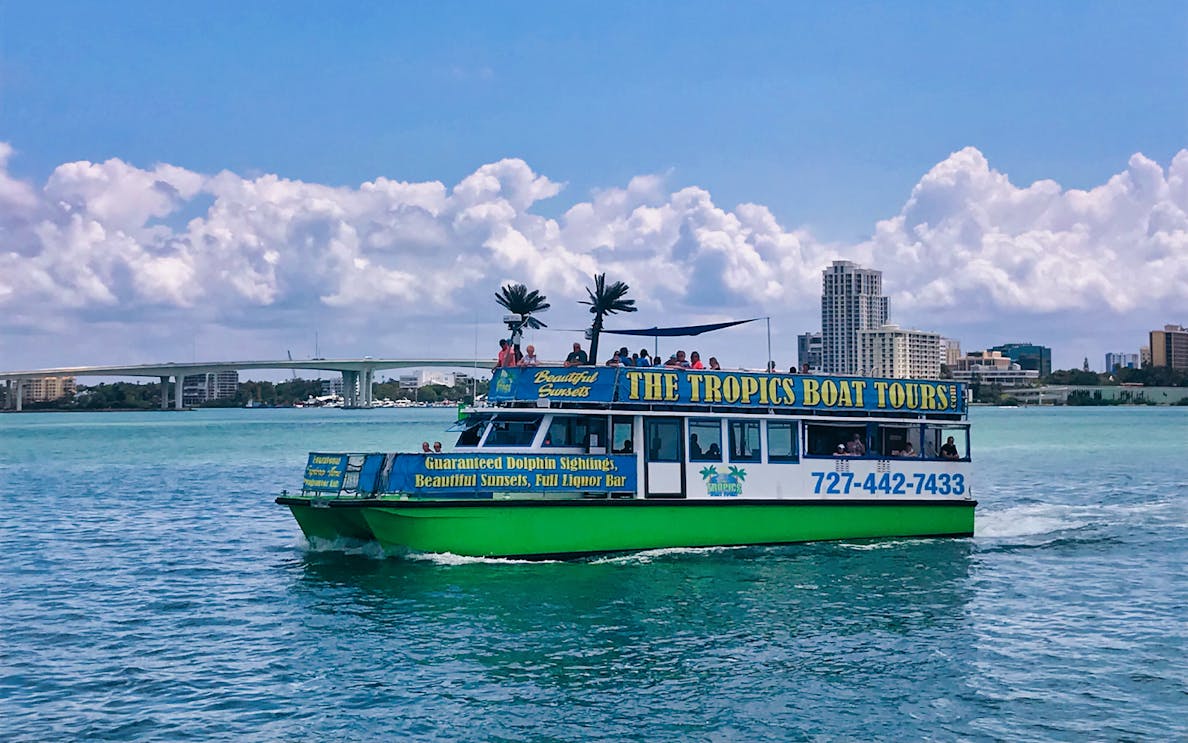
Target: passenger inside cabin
{"points": [[694, 447], [840, 451], [854, 447], [908, 450], [627, 448], [948, 450], [713, 452]]}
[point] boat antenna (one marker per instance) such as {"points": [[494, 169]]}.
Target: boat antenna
{"points": [[769, 358]]}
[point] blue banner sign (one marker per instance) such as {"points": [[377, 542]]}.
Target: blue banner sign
{"points": [[726, 389], [446, 474], [566, 384], [752, 390], [325, 472]]}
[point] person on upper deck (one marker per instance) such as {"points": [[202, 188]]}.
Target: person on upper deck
{"points": [[625, 357], [577, 357], [714, 364], [855, 447], [644, 359], [695, 361], [677, 361], [529, 358], [437, 447], [507, 354], [948, 449], [615, 360]]}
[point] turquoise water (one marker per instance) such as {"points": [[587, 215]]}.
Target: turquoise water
{"points": [[151, 590]]}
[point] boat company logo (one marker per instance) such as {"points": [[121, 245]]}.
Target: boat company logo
{"points": [[723, 485]]}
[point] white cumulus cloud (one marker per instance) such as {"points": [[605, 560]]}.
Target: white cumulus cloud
{"points": [[106, 248]]}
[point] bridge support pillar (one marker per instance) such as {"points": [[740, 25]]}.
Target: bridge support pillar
{"points": [[350, 389], [368, 381], [177, 392], [20, 395], [164, 393]]}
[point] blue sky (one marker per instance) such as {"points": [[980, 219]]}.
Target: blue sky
{"points": [[904, 136], [828, 114]]}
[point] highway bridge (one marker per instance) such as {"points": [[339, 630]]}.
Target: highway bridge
{"points": [[358, 375]]}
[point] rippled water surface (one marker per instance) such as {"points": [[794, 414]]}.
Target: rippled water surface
{"points": [[150, 589]]}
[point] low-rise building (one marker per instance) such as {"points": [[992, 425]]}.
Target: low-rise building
{"points": [[1121, 361], [899, 353], [45, 389], [201, 388], [993, 368]]}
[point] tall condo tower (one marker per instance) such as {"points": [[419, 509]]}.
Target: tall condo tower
{"points": [[851, 300]]}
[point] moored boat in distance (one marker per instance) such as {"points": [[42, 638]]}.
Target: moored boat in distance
{"points": [[582, 460]]}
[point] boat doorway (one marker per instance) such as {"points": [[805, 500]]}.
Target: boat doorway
{"points": [[665, 451]]}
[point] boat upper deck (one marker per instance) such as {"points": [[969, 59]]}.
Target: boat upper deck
{"points": [[661, 388]]}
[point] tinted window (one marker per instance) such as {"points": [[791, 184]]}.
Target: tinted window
{"points": [[744, 440], [781, 442], [705, 441], [575, 430], [823, 440], [664, 439], [513, 432]]}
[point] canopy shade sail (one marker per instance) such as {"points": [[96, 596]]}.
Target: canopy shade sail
{"points": [[680, 331]]}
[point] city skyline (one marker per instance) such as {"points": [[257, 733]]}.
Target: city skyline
{"points": [[149, 234]]}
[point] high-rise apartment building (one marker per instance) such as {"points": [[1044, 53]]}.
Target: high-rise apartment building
{"points": [[1169, 347], [891, 351], [44, 389], [1028, 356], [950, 351], [1121, 361], [808, 351], [851, 301]]}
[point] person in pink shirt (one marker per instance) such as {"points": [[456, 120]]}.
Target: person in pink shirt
{"points": [[695, 361]]}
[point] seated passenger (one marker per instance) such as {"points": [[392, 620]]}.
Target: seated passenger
{"points": [[529, 358], [577, 357], [695, 361], [677, 361], [627, 447], [714, 364], [694, 447], [948, 450], [840, 451], [854, 447], [644, 359], [425, 447], [907, 451], [437, 447], [713, 451], [625, 357], [615, 360]]}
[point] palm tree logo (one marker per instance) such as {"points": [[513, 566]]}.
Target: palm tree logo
{"points": [[724, 484], [605, 300]]}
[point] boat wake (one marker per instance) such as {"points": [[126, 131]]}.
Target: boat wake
{"points": [[1057, 520], [449, 559], [646, 556], [345, 546]]}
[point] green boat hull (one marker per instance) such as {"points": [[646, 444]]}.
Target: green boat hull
{"points": [[318, 521], [568, 528]]}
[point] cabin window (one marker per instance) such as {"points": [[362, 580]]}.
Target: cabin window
{"points": [[472, 430], [575, 431], [622, 431], [897, 441], [824, 440], [781, 442], [744, 441], [935, 438], [705, 440], [664, 439], [512, 431]]}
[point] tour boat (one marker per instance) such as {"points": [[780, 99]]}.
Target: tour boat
{"points": [[562, 462]]}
